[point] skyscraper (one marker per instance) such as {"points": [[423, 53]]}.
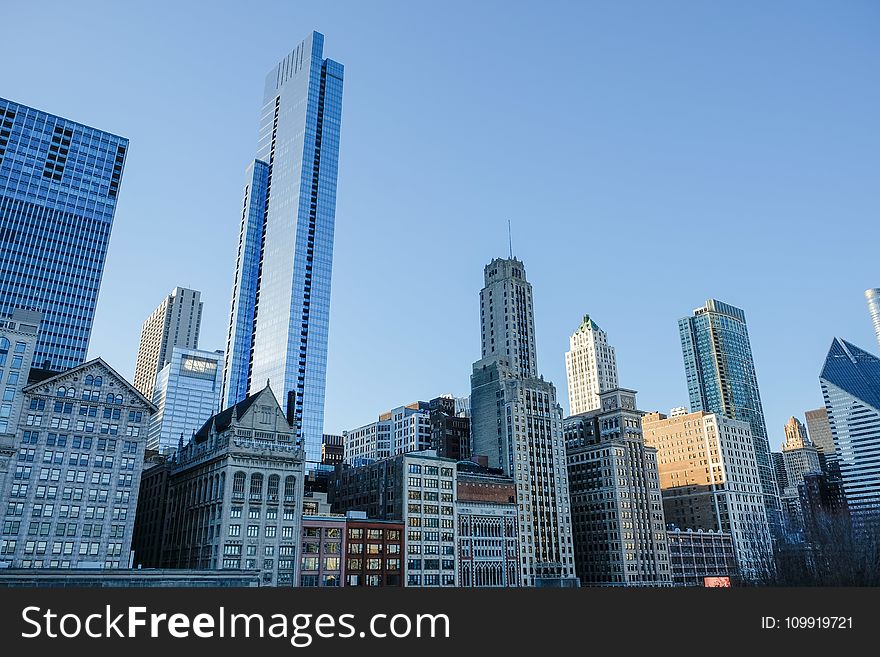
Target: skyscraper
{"points": [[175, 323], [872, 296], [590, 365], [186, 394], [517, 423], [721, 379], [281, 295], [850, 381], [820, 431], [59, 182], [799, 457]]}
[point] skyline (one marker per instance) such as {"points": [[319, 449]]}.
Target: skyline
{"points": [[649, 361]]}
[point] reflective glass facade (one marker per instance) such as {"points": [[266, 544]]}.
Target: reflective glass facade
{"points": [[721, 379], [59, 182], [281, 296], [850, 381]]}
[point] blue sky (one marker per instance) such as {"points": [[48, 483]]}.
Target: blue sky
{"points": [[649, 156]]}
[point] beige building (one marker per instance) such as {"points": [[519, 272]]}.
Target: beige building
{"points": [[175, 323], [590, 365], [709, 479], [820, 431]]}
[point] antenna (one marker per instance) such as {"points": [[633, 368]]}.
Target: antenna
{"points": [[509, 239]]}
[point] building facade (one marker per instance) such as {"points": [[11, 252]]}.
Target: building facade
{"points": [[695, 555], [186, 393], [721, 379], [619, 527], [416, 489], [174, 323], [332, 449], [71, 500], [488, 537], [516, 423], [820, 434], [400, 430], [323, 551], [850, 381], [709, 480], [374, 552], [590, 365], [280, 312], [59, 182], [148, 536], [450, 431], [235, 494], [798, 453]]}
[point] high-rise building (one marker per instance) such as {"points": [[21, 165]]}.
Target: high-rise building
{"points": [[850, 381], [242, 475], [516, 423], [59, 182], [18, 340], [175, 323], [798, 453], [488, 540], [709, 481], [417, 489], [721, 379], [872, 296], [590, 365], [280, 311], [778, 463], [186, 393], [71, 500], [398, 431], [450, 432], [332, 449], [820, 431], [617, 512]]}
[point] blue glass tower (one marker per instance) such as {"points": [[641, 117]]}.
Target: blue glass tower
{"points": [[281, 295], [58, 186], [721, 379], [850, 381]]}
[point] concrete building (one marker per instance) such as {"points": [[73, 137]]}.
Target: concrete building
{"points": [[400, 430], [186, 394], [18, 341], [850, 381], [516, 423], [235, 494], [590, 365], [374, 551], [71, 500], [798, 453], [332, 449], [417, 489], [697, 555], [721, 379], [488, 537], [872, 296], [174, 323], [450, 431], [619, 527], [709, 480]]}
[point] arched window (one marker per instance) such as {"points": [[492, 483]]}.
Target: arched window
{"points": [[71, 392], [62, 391], [274, 480], [90, 380], [256, 486], [110, 398], [238, 486], [290, 489], [118, 399], [99, 381]]}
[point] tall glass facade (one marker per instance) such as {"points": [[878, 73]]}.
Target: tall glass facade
{"points": [[59, 182], [872, 296], [721, 379], [850, 381], [281, 295]]}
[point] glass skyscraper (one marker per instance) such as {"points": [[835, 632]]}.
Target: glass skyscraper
{"points": [[872, 296], [281, 295], [850, 381], [59, 181], [721, 379]]}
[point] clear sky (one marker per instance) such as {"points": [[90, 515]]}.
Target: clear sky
{"points": [[648, 154]]}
